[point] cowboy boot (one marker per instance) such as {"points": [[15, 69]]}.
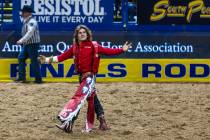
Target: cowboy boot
{"points": [[102, 126]]}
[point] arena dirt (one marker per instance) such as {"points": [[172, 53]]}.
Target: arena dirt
{"points": [[134, 111]]}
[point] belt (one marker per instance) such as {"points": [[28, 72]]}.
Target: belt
{"points": [[86, 74]]}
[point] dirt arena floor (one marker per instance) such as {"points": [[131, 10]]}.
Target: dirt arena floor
{"points": [[134, 111]]}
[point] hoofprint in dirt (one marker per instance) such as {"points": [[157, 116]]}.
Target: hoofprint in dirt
{"points": [[133, 111]]}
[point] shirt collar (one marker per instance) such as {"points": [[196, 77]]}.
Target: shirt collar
{"points": [[26, 19], [85, 43]]}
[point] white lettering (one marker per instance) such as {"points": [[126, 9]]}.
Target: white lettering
{"points": [[46, 48], [38, 8], [106, 44], [62, 47], [66, 7], [25, 2], [88, 8], [6, 47], [13, 48], [138, 48], [76, 7], [50, 9], [99, 11]]}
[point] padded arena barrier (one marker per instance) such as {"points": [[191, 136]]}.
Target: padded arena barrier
{"points": [[119, 70]]}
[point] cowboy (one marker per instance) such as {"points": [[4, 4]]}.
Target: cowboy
{"points": [[86, 55]]}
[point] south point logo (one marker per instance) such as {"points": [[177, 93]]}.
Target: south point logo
{"points": [[66, 7], [164, 8]]}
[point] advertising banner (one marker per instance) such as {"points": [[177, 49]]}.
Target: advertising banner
{"points": [[120, 70], [60, 14], [177, 12], [145, 45]]}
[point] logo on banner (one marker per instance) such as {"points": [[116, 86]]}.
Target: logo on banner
{"points": [[67, 11], [165, 8], [158, 70], [138, 47]]}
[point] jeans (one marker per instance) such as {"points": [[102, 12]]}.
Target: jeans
{"points": [[29, 51]]}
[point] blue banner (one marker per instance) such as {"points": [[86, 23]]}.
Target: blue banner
{"points": [[60, 14], [145, 45]]}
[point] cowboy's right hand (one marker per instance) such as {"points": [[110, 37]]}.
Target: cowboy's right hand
{"points": [[42, 59]]}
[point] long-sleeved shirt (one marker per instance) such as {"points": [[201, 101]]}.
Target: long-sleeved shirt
{"points": [[30, 31], [84, 56]]}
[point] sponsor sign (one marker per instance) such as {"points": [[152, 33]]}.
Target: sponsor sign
{"points": [[64, 12], [121, 70], [180, 12], [145, 45]]}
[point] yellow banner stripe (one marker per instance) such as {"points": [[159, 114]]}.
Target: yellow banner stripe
{"points": [[127, 70]]}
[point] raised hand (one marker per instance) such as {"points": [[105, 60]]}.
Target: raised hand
{"points": [[127, 46]]}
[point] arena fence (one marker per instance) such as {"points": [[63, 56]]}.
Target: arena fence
{"points": [[120, 70]]}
